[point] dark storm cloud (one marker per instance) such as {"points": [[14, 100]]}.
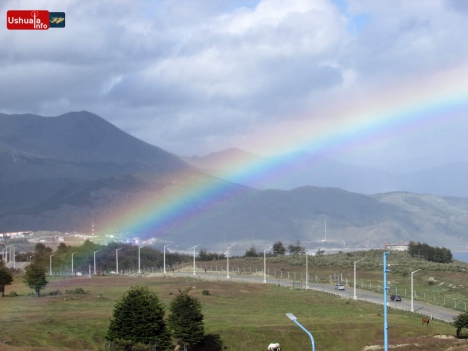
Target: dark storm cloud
{"points": [[195, 77]]}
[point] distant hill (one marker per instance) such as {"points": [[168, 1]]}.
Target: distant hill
{"points": [[303, 168], [41, 155], [244, 215]]}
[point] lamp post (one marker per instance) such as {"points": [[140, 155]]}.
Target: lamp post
{"points": [[412, 308], [50, 264], [307, 270], [193, 247], [73, 273], [117, 261], [355, 297], [95, 261], [9, 252], [294, 319], [165, 257], [7, 248], [227, 268], [385, 271], [264, 264], [139, 270]]}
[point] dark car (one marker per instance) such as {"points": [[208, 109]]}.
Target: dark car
{"points": [[395, 298]]}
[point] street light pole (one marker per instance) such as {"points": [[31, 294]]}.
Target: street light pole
{"points": [[139, 270], [50, 264], [194, 258], [227, 268], [73, 273], [264, 264], [412, 308], [117, 261], [355, 297], [294, 319], [165, 258], [307, 271], [385, 271], [95, 261]]}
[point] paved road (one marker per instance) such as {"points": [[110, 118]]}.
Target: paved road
{"points": [[422, 308]]}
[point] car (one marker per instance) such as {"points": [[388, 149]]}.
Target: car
{"points": [[339, 287], [395, 298]]}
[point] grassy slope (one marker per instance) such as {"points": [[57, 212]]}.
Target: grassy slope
{"points": [[246, 316]]}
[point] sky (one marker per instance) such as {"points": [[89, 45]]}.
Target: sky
{"points": [[380, 83]]}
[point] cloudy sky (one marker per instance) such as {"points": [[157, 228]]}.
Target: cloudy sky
{"points": [[195, 77]]}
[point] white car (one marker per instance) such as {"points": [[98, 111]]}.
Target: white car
{"points": [[339, 287]]}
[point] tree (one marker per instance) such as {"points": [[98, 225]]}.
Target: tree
{"points": [[139, 317], [6, 278], [251, 252], [460, 322], [41, 254], [186, 319], [35, 277], [296, 248], [279, 249]]}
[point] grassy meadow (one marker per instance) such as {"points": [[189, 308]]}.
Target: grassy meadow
{"points": [[238, 316]]}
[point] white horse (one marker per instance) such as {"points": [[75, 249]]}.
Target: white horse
{"points": [[274, 347]]}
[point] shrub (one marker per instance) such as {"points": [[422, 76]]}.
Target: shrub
{"points": [[139, 318], [53, 293], [186, 319], [76, 291], [206, 292]]}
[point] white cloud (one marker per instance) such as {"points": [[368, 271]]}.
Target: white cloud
{"points": [[195, 77]]}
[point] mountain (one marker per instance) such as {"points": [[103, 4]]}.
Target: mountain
{"points": [[61, 173], [41, 155], [303, 168]]}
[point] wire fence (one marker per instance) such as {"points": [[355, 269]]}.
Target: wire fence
{"points": [[292, 280]]}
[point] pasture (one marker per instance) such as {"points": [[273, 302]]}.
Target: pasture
{"points": [[238, 317]]}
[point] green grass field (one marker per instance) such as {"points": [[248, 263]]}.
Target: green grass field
{"points": [[244, 316]]}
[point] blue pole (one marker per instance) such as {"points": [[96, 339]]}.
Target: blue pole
{"points": [[311, 337], [385, 270]]}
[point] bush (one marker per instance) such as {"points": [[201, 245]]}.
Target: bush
{"points": [[206, 292], [139, 318], [77, 291], [53, 293], [11, 294], [186, 319], [126, 345]]}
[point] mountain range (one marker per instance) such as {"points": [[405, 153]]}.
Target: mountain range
{"points": [[303, 168], [61, 173]]}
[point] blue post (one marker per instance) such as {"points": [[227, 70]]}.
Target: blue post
{"points": [[294, 319], [385, 270]]}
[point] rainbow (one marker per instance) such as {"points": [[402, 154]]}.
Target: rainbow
{"points": [[360, 120]]}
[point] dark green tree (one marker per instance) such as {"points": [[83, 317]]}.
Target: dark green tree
{"points": [[296, 248], [460, 322], [6, 278], [186, 319], [35, 277], [139, 317], [41, 254], [279, 249], [251, 252]]}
